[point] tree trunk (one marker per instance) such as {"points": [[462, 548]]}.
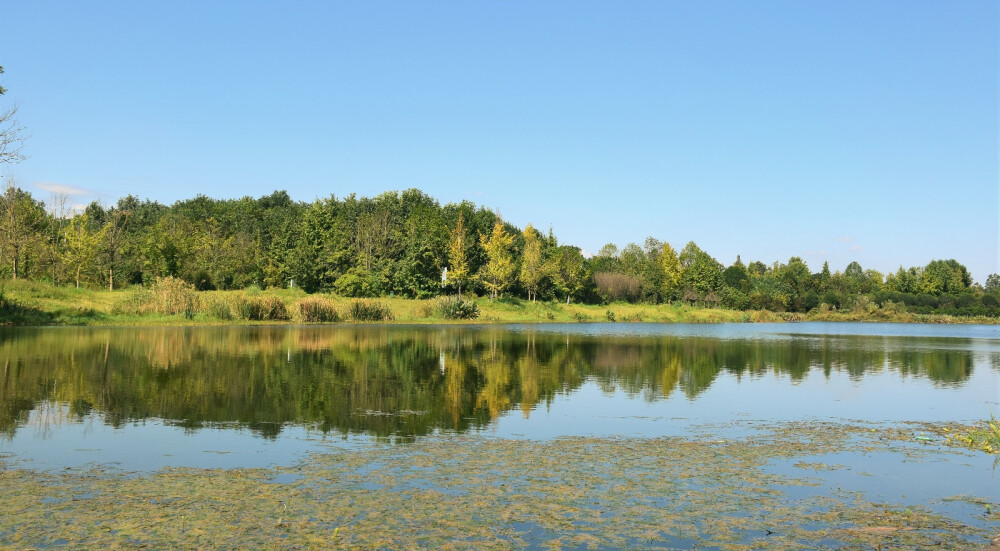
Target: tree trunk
{"points": [[111, 279]]}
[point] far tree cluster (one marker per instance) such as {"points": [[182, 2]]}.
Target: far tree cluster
{"points": [[399, 243]]}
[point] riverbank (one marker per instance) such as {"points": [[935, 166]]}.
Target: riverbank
{"points": [[37, 303]]}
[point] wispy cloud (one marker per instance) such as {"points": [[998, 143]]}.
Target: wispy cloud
{"points": [[844, 239], [856, 247], [55, 187]]}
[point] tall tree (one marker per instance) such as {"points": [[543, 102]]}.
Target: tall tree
{"points": [[22, 220], [114, 240], [81, 244], [569, 270], [531, 262], [671, 266], [499, 268], [458, 255]]}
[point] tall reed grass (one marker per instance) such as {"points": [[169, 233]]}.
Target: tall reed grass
{"points": [[316, 309]]}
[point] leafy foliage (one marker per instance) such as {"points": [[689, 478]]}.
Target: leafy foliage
{"points": [[399, 243], [362, 310], [454, 308], [316, 309]]}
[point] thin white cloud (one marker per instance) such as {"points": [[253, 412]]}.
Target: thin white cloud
{"points": [[844, 239], [54, 187], [856, 247]]}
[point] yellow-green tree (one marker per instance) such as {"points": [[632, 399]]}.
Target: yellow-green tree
{"points": [[81, 244], [531, 262], [499, 268], [458, 256], [672, 271]]}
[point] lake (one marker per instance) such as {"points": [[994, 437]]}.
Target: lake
{"points": [[843, 417]]}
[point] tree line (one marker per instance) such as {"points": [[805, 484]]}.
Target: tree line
{"points": [[408, 244]]}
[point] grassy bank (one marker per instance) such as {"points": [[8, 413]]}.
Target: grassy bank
{"points": [[38, 303]]}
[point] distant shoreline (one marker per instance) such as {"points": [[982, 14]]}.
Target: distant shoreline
{"points": [[27, 303]]}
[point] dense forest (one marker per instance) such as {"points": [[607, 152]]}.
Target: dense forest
{"points": [[401, 244]]}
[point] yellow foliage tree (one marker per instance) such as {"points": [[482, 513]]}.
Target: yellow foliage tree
{"points": [[81, 244], [499, 268], [531, 263], [671, 266]]}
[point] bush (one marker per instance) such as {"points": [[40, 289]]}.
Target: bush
{"points": [[266, 308], [167, 296], [174, 296], [220, 309], [454, 308], [318, 310], [370, 311], [253, 308]]}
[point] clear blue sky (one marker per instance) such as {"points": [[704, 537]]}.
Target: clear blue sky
{"points": [[833, 131]]}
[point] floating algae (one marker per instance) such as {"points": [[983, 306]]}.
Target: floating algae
{"points": [[463, 492]]}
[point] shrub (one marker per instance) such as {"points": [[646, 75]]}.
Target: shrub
{"points": [[220, 309], [370, 311], [167, 296], [174, 296], [253, 308], [266, 308], [454, 308], [609, 315], [317, 309], [132, 301]]}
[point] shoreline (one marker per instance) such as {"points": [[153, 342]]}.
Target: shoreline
{"points": [[36, 304]]}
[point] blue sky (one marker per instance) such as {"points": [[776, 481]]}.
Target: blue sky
{"points": [[833, 131]]}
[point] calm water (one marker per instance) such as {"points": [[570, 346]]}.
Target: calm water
{"points": [[144, 398]]}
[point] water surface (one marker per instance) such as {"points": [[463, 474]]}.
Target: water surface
{"points": [[143, 398]]}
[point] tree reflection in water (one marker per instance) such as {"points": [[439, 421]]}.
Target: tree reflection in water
{"points": [[402, 380]]}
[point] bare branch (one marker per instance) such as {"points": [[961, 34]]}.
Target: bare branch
{"points": [[11, 138]]}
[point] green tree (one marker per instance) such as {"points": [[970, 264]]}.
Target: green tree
{"points": [[992, 284], [945, 277], [499, 268], [22, 220], [569, 270], [702, 273], [531, 262], [81, 244], [458, 256]]}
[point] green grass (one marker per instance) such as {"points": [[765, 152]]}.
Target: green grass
{"points": [[985, 437], [39, 303]]}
